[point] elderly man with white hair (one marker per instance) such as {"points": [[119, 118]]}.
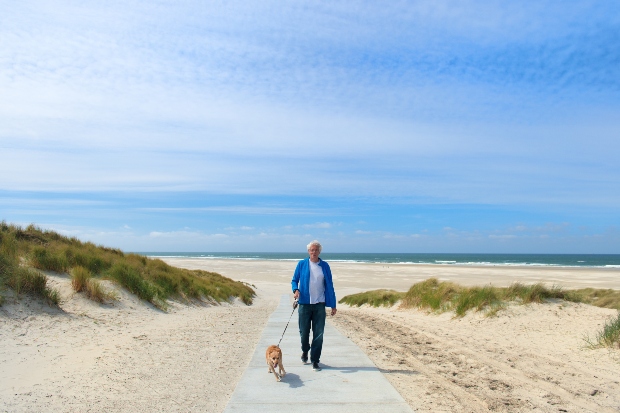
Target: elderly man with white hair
{"points": [[314, 289]]}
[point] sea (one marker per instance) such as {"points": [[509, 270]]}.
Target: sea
{"points": [[541, 260]]}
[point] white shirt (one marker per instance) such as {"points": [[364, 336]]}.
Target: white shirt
{"points": [[317, 283]]}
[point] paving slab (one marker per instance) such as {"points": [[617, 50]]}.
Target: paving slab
{"points": [[348, 381]]}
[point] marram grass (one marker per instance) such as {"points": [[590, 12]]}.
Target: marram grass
{"points": [[22, 280], [609, 336], [95, 291], [435, 296], [82, 281], [150, 279], [375, 298], [79, 278]]}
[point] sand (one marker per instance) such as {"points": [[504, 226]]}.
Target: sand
{"points": [[130, 356]]}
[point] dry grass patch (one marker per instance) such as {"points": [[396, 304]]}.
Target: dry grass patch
{"points": [[82, 281], [605, 298], [79, 277], [95, 291]]}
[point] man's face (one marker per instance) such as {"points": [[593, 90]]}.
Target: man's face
{"points": [[314, 253]]}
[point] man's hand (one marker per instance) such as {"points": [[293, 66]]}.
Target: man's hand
{"points": [[334, 311], [296, 294]]}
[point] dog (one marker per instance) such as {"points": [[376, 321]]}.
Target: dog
{"points": [[274, 360]]}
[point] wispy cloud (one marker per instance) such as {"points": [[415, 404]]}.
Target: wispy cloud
{"points": [[244, 210], [323, 225]]}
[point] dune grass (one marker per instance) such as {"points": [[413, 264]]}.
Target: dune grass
{"points": [[375, 298], [79, 278], [150, 279], [82, 281], [605, 298], [95, 291], [439, 297], [22, 280], [610, 335]]}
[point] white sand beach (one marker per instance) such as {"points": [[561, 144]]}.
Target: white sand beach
{"points": [[129, 356]]}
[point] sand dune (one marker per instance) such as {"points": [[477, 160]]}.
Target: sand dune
{"points": [[132, 357]]}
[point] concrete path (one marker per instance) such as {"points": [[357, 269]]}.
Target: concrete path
{"points": [[349, 381]]}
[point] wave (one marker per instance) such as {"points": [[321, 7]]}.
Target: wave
{"points": [[483, 260]]}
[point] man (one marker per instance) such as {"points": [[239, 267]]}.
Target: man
{"points": [[313, 288]]}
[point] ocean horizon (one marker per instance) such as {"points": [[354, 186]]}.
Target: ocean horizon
{"points": [[541, 260]]}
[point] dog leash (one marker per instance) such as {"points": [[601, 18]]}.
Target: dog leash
{"points": [[289, 320]]}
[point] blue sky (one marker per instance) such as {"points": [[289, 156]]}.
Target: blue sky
{"points": [[434, 126]]}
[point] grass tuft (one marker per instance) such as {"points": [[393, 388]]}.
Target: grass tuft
{"points": [[96, 292], [609, 336], [431, 294], [477, 298], [79, 278], [30, 281], [376, 298]]}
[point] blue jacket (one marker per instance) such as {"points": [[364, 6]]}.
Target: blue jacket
{"points": [[301, 282]]}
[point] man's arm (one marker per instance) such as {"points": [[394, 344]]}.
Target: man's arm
{"points": [[295, 281], [330, 294]]}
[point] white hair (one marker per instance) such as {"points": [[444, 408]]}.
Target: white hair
{"points": [[317, 243]]}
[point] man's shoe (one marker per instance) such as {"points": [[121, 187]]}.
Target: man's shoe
{"points": [[304, 357], [315, 366]]}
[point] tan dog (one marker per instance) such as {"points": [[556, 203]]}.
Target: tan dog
{"points": [[274, 360]]}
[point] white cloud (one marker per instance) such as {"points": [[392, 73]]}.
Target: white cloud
{"points": [[323, 225]]}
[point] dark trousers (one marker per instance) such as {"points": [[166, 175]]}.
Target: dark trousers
{"points": [[312, 316]]}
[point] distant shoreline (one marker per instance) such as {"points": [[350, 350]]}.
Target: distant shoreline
{"points": [[603, 261]]}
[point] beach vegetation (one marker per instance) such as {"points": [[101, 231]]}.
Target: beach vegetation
{"points": [[21, 279], [24, 250], [375, 298], [82, 281], [441, 296], [609, 336], [605, 298], [79, 277], [95, 291]]}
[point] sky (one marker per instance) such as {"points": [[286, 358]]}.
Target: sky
{"points": [[406, 126]]}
